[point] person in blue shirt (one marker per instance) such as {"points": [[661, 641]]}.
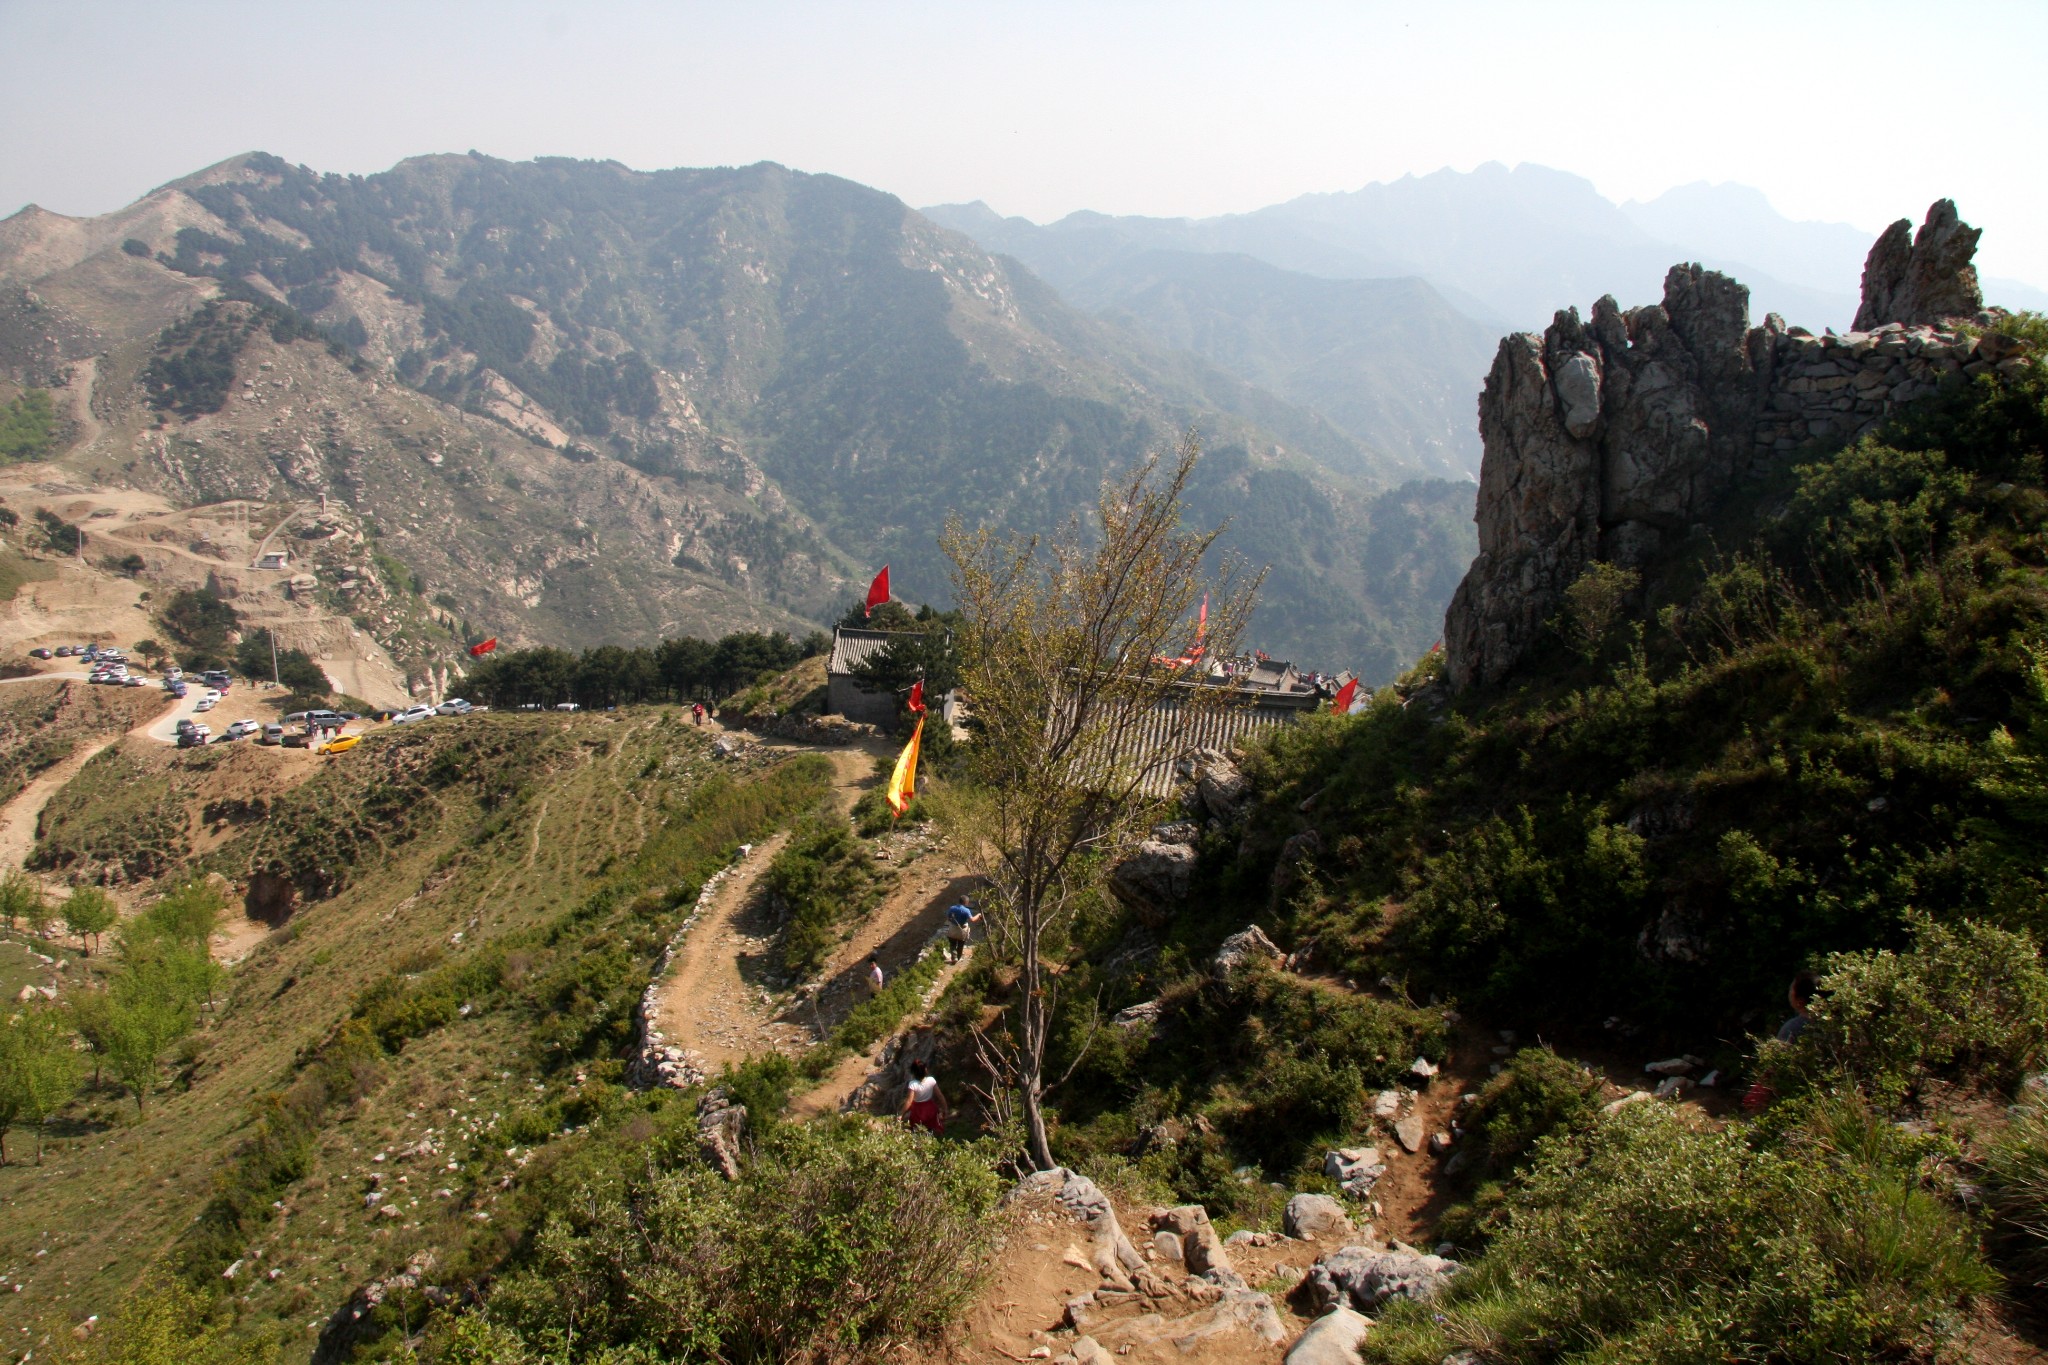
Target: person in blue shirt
{"points": [[960, 919]]}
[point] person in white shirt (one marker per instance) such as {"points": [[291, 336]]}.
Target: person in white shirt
{"points": [[924, 1104]]}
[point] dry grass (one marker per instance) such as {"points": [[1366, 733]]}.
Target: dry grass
{"points": [[115, 1192]]}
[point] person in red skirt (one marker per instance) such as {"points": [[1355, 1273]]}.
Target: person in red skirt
{"points": [[924, 1104]]}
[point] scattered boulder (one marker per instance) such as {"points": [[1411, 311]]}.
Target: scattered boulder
{"points": [[1332, 1339], [1366, 1277], [1136, 1016], [720, 1123], [1219, 787], [1316, 1218], [1247, 945], [340, 1332], [1200, 1248], [1115, 1258], [1422, 1071], [1386, 1105], [1411, 1133], [1355, 1169], [1153, 880], [1300, 849]]}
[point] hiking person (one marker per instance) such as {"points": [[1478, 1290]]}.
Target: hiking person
{"points": [[697, 713], [874, 975], [960, 921], [924, 1104], [1798, 995]]}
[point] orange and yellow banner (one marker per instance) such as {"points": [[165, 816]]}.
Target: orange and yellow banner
{"points": [[903, 782]]}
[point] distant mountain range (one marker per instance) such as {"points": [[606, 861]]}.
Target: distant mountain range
{"points": [[1378, 308], [585, 404]]}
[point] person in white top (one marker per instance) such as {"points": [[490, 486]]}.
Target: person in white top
{"points": [[924, 1104]]}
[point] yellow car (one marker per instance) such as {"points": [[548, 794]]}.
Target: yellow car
{"points": [[339, 746]]}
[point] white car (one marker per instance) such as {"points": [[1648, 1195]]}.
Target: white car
{"points": [[207, 703], [239, 728], [454, 706], [567, 706], [412, 713]]}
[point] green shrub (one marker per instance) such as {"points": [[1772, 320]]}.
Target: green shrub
{"points": [[1539, 1093], [1650, 1237], [822, 877], [28, 425], [1967, 1004], [878, 1239]]}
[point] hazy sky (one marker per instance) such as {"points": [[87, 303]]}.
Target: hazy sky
{"points": [[1852, 112]]}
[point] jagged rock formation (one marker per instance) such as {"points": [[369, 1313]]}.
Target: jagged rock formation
{"points": [[1612, 438], [1923, 279]]}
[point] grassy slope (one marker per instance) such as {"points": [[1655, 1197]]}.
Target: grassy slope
{"points": [[574, 800], [42, 722]]}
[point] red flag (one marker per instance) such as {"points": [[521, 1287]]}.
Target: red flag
{"points": [[1345, 694], [483, 647], [917, 696], [878, 591]]}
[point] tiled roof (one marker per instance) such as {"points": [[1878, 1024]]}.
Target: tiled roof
{"points": [[1164, 736], [852, 648]]}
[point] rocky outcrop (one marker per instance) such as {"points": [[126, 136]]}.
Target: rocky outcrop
{"points": [[1923, 279], [1363, 1277], [1332, 1339], [1316, 1218], [1243, 948], [1614, 437], [720, 1123], [1153, 879]]}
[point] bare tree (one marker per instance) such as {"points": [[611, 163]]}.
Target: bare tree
{"points": [[1082, 668]]}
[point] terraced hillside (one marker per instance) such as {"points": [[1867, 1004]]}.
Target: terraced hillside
{"points": [[474, 909]]}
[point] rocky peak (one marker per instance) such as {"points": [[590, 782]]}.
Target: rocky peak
{"points": [[1921, 278], [1613, 437]]}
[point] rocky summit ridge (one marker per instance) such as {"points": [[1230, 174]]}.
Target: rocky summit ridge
{"points": [[1615, 437]]}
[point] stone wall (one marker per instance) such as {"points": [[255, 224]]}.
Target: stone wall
{"points": [[1616, 437]]}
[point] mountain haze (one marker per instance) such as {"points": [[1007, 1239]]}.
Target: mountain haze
{"points": [[582, 403]]}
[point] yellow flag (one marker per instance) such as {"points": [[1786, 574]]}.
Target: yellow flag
{"points": [[903, 782]]}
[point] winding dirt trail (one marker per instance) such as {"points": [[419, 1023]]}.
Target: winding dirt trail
{"points": [[716, 1000]]}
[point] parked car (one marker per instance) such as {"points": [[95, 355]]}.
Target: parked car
{"points": [[412, 713], [132, 681], [63, 651], [40, 654], [273, 734], [194, 737], [340, 745], [207, 703], [454, 706], [217, 677], [179, 689], [173, 673], [240, 728], [567, 706], [324, 719], [185, 723]]}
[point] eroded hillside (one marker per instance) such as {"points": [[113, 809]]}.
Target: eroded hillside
{"points": [[583, 405]]}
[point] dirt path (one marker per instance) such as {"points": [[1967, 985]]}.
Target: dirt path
{"points": [[717, 1000], [711, 1003], [18, 818]]}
